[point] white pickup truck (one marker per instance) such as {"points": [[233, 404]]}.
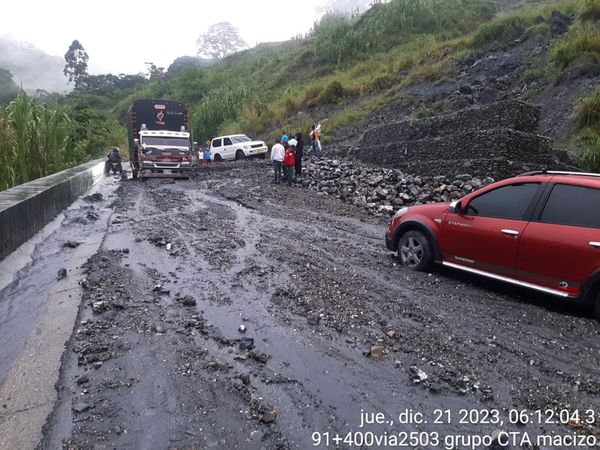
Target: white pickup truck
{"points": [[236, 146]]}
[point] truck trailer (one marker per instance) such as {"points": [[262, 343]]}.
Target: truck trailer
{"points": [[159, 143]]}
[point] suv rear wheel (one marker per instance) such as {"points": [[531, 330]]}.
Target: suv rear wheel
{"points": [[414, 250]]}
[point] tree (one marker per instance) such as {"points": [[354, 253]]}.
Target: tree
{"points": [[154, 71], [220, 40], [77, 63], [346, 7], [8, 88]]}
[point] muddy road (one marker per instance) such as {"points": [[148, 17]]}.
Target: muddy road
{"points": [[333, 331]]}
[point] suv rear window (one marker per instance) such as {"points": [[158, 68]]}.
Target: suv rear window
{"points": [[507, 202], [573, 205]]}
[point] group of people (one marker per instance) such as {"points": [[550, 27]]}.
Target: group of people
{"points": [[288, 152]]}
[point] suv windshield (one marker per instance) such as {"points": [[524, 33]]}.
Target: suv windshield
{"points": [[240, 138], [162, 140]]}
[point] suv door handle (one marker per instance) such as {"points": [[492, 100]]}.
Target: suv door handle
{"points": [[595, 244], [510, 232]]}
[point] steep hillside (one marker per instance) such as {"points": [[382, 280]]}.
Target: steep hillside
{"points": [[401, 60]]}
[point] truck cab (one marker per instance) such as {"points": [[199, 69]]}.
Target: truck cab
{"points": [[164, 153]]}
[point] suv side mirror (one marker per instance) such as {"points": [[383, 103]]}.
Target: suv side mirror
{"points": [[455, 207]]}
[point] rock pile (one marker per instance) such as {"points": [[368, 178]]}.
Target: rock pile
{"points": [[497, 140], [383, 191]]}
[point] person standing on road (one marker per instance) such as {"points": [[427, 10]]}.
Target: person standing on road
{"points": [[206, 157], [299, 154], [277, 155], [314, 138], [289, 162]]}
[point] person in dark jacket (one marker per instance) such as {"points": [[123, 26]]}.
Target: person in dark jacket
{"points": [[299, 154]]}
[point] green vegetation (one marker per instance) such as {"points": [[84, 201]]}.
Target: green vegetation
{"points": [[582, 42], [422, 112], [588, 123], [533, 75], [36, 140]]}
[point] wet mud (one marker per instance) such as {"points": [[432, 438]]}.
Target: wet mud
{"points": [[227, 312]]}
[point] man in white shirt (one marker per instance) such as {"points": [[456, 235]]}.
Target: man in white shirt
{"points": [[277, 154]]}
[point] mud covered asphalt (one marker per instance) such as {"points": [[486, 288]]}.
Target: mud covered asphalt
{"points": [[332, 324]]}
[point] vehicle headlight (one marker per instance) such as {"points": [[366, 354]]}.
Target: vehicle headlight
{"points": [[247, 147], [401, 212]]}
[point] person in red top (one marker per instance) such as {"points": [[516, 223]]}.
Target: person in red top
{"points": [[289, 161]]}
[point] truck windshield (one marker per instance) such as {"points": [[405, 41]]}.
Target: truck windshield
{"points": [[153, 151], [163, 140], [240, 138]]}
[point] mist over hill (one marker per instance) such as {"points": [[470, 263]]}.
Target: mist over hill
{"points": [[31, 67]]}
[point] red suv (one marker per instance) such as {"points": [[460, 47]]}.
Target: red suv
{"points": [[540, 230]]}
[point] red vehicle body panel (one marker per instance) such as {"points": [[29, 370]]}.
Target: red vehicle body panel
{"points": [[555, 258]]}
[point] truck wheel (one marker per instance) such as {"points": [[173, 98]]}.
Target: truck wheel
{"points": [[218, 158], [414, 250], [239, 155]]}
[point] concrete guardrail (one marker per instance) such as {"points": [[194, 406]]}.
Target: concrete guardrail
{"points": [[27, 208]]}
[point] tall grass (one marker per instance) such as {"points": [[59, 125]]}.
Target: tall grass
{"points": [[582, 42], [339, 39], [588, 124], [36, 140]]}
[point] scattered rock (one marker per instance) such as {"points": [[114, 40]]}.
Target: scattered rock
{"points": [[417, 375], [465, 89], [378, 351], [80, 407], [99, 306], [246, 343], [188, 300], [94, 198], [261, 357], [83, 379], [71, 244], [391, 334], [268, 416], [160, 289], [242, 328], [314, 319], [62, 273]]}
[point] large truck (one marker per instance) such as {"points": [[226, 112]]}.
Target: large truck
{"points": [[159, 143]]}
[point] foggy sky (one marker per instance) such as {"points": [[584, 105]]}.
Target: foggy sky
{"points": [[120, 36]]}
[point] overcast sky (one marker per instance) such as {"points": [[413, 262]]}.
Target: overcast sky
{"points": [[120, 35]]}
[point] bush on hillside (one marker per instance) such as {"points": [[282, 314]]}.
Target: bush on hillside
{"points": [[588, 112], [501, 30], [590, 11], [333, 92]]}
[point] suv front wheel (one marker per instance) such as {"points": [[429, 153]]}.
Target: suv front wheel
{"points": [[414, 250]]}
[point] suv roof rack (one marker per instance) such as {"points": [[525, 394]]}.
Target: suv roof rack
{"points": [[559, 172]]}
